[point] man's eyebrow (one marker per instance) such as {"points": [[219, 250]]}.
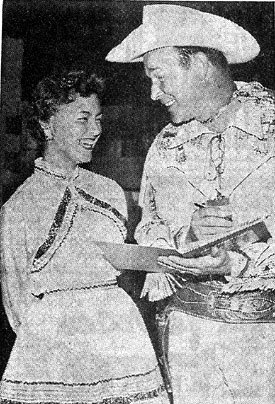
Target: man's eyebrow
{"points": [[153, 68]]}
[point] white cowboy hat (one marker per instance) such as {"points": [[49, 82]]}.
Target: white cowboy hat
{"points": [[173, 25]]}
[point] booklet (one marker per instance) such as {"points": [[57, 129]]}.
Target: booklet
{"points": [[142, 258], [135, 257]]}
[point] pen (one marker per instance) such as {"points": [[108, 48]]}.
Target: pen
{"points": [[198, 205]]}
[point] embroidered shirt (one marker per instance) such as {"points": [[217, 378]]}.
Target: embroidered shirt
{"points": [[192, 163]]}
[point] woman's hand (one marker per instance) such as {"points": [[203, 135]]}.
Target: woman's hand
{"points": [[216, 263]]}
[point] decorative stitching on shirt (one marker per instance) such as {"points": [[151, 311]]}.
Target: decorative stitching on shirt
{"points": [[250, 173], [192, 185]]}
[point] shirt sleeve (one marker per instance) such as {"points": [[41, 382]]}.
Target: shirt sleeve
{"points": [[152, 229]]}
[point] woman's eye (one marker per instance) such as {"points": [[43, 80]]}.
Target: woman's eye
{"points": [[83, 119]]}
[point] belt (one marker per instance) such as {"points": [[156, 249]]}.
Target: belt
{"points": [[205, 300]]}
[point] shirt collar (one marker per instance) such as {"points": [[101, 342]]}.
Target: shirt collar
{"points": [[43, 166], [249, 116], [246, 116]]}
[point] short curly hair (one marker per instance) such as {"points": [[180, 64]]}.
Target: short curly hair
{"points": [[56, 90]]}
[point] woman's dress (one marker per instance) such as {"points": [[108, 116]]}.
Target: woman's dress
{"points": [[80, 338]]}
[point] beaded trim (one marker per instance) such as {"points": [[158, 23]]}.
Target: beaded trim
{"points": [[82, 384], [101, 204], [110, 284], [37, 168], [55, 238], [61, 211], [131, 398], [121, 227]]}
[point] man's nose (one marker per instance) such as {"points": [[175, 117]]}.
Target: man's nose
{"points": [[155, 92]]}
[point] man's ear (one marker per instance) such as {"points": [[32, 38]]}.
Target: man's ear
{"points": [[201, 64], [47, 129]]}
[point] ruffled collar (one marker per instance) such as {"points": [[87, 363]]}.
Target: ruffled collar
{"points": [[244, 115], [46, 168]]}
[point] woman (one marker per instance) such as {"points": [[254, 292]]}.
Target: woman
{"points": [[80, 339]]}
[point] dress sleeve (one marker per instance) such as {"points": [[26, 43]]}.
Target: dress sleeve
{"points": [[13, 266]]}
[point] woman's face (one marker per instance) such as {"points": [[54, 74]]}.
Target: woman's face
{"points": [[75, 129]]}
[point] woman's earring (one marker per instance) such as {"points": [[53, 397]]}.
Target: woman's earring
{"points": [[47, 130], [48, 134]]}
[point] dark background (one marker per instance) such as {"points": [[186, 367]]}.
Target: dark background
{"points": [[43, 36]]}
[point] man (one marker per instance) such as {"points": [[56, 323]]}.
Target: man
{"points": [[208, 171]]}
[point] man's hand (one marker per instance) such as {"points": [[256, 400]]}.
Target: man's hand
{"points": [[216, 263], [211, 221]]}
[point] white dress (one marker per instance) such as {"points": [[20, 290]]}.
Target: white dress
{"points": [[79, 338]]}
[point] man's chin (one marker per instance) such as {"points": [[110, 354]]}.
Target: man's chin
{"points": [[177, 119]]}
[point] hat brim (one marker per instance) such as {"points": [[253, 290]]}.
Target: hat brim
{"points": [[198, 29]]}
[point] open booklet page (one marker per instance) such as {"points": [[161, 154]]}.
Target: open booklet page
{"points": [[142, 258]]}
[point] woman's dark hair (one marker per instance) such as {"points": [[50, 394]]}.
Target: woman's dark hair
{"points": [[56, 90]]}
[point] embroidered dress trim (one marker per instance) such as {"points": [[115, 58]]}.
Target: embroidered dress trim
{"points": [[82, 384], [121, 227], [61, 211], [63, 219], [121, 390], [106, 285], [45, 168], [101, 204], [37, 168], [63, 222], [131, 398]]}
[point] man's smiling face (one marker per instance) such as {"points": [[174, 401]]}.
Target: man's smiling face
{"points": [[174, 85]]}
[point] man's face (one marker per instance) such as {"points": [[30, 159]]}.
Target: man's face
{"points": [[76, 128], [172, 84]]}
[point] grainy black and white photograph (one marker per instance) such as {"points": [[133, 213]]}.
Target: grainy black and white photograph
{"points": [[137, 202]]}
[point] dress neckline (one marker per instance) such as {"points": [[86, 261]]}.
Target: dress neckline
{"points": [[45, 167]]}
